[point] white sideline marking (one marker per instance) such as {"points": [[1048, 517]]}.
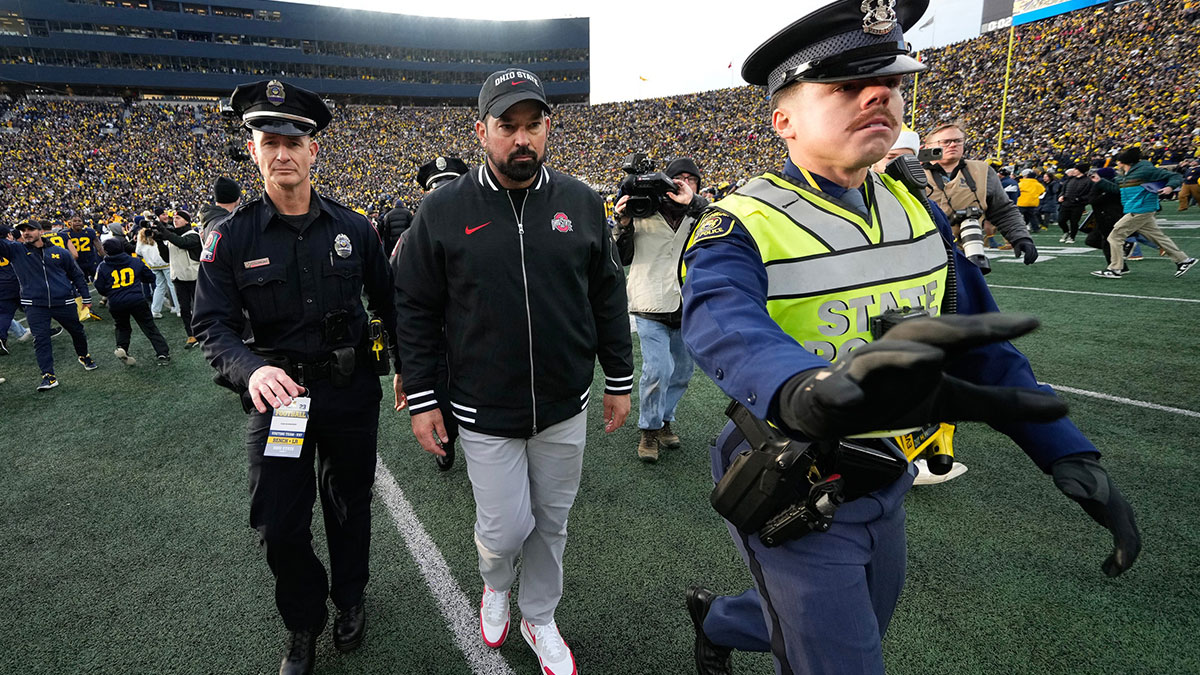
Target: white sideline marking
{"points": [[1126, 401], [461, 615], [1111, 295]]}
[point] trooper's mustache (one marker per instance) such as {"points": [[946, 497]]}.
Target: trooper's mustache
{"points": [[862, 118]]}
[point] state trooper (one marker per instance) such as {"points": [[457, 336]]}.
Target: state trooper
{"points": [[294, 264], [782, 281]]}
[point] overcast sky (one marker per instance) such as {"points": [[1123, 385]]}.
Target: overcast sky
{"points": [[678, 47]]}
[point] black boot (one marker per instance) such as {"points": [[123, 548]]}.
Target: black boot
{"points": [[302, 650], [711, 659], [348, 628]]}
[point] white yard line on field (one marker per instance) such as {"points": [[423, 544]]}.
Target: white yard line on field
{"points": [[461, 615]]}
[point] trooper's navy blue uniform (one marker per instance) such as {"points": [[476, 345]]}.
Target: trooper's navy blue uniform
{"points": [[50, 281], [822, 602], [288, 279], [868, 530]]}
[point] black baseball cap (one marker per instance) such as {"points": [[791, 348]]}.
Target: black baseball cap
{"points": [[503, 88], [845, 40], [30, 225], [279, 108]]}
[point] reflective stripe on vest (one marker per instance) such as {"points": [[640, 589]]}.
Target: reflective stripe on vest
{"points": [[829, 269]]}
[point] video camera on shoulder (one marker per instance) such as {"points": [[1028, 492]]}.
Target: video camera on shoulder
{"points": [[645, 186]]}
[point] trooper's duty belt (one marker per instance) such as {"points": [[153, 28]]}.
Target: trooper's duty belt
{"points": [[783, 489]]}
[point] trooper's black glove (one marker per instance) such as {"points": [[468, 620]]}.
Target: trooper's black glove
{"points": [[1081, 478], [1025, 247], [898, 382]]}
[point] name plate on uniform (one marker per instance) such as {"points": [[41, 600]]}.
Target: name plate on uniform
{"points": [[286, 437]]}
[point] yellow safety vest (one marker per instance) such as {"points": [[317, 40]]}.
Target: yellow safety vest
{"points": [[829, 270]]}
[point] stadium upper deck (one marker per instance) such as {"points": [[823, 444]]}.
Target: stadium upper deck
{"points": [[130, 47]]}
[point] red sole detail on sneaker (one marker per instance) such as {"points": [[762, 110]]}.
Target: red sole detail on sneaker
{"points": [[496, 644]]}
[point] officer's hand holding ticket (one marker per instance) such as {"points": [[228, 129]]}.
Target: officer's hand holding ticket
{"points": [[899, 382]]}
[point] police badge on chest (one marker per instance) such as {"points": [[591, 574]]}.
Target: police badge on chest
{"points": [[341, 246]]}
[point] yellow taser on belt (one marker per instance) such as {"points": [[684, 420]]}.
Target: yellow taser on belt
{"points": [[938, 439]]}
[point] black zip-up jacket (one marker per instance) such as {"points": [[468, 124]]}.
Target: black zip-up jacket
{"points": [[530, 293], [1077, 191]]}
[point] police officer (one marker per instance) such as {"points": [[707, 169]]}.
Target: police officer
{"points": [[781, 281], [294, 265], [430, 176]]}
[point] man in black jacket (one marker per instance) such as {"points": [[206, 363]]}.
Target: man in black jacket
{"points": [[1076, 194], [516, 262]]}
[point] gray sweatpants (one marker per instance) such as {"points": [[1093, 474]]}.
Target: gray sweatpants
{"points": [[524, 489]]}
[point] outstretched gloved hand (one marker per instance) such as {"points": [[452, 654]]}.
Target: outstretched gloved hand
{"points": [[1081, 478], [1025, 248], [899, 382]]}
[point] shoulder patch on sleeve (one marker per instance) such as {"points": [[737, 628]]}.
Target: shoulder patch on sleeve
{"points": [[712, 226], [209, 253]]}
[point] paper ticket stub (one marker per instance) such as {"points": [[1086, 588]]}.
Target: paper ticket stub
{"points": [[286, 437]]}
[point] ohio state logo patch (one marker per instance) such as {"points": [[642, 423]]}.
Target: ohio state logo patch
{"points": [[561, 222]]}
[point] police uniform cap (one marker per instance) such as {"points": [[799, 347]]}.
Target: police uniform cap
{"points": [[838, 43], [276, 107], [439, 170]]}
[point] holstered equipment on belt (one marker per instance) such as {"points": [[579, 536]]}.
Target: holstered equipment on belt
{"points": [[783, 488], [938, 439], [378, 343]]}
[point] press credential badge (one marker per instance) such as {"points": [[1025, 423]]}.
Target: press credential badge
{"points": [[286, 437]]}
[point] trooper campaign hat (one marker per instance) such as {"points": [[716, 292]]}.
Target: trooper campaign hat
{"points": [[504, 88], [440, 170], [845, 40], [276, 107]]}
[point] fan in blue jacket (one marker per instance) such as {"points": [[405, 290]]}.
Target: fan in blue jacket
{"points": [[50, 280], [128, 284]]}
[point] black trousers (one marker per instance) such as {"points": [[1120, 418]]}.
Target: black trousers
{"points": [[342, 431], [1068, 219], [186, 290], [145, 321]]}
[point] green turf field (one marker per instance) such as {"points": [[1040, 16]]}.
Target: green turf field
{"points": [[124, 510]]}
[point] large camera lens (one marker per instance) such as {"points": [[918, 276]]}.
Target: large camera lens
{"points": [[641, 206]]}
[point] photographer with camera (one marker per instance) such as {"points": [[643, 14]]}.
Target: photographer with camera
{"points": [[958, 183], [655, 215], [183, 244]]}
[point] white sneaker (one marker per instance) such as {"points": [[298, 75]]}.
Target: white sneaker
{"points": [[493, 617], [924, 477], [553, 654], [1062, 239], [124, 356]]}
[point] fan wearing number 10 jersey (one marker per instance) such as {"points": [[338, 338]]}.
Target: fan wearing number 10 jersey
{"points": [[129, 284]]}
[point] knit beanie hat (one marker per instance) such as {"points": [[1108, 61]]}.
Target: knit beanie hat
{"points": [[1130, 155]]}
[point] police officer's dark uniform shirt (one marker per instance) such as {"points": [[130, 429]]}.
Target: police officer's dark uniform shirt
{"points": [[288, 273], [728, 330]]}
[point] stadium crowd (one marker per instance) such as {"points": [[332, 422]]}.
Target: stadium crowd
{"points": [[1069, 102]]}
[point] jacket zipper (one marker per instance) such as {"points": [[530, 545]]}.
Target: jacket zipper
{"points": [[528, 316], [46, 276]]}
